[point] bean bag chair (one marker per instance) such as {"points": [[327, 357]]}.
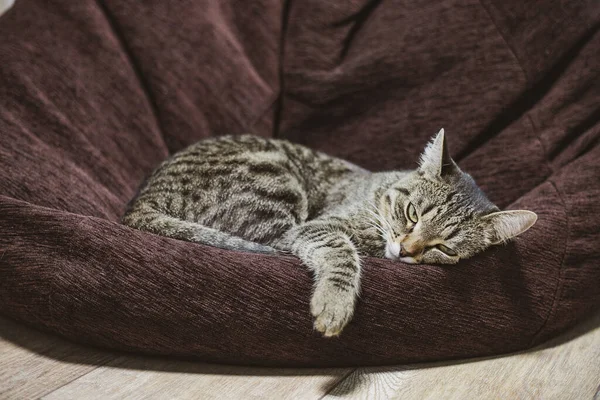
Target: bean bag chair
{"points": [[93, 94]]}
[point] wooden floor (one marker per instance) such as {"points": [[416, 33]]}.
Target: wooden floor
{"points": [[37, 365]]}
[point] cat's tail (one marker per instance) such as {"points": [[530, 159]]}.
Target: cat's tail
{"points": [[159, 223]]}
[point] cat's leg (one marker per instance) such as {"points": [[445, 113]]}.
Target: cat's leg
{"points": [[326, 248]]}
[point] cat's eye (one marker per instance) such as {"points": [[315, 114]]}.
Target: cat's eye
{"points": [[447, 250], [411, 213]]}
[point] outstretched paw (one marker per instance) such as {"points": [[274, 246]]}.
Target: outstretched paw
{"points": [[332, 309]]}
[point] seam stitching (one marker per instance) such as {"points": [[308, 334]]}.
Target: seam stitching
{"points": [[143, 84], [279, 100], [560, 278], [270, 107], [505, 41]]}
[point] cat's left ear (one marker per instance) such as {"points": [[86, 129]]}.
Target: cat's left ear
{"points": [[436, 160], [504, 225]]}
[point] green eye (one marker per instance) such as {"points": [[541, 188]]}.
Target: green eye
{"points": [[411, 213], [447, 250]]}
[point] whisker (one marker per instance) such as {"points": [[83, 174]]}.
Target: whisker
{"points": [[378, 228], [382, 220], [378, 220]]}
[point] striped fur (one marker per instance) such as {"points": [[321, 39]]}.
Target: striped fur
{"points": [[253, 194]]}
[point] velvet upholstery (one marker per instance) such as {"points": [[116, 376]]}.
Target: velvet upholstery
{"points": [[93, 94]]}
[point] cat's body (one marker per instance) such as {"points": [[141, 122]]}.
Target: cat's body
{"points": [[266, 195]]}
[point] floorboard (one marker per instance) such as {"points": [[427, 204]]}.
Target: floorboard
{"points": [[567, 368], [150, 378], [38, 365], [33, 363]]}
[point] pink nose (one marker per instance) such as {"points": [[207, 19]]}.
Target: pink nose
{"points": [[406, 251]]}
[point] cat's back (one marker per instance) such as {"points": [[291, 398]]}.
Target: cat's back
{"points": [[225, 181], [212, 168], [252, 156], [249, 157], [223, 147]]}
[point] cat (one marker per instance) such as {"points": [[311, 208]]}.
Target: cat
{"points": [[267, 195]]}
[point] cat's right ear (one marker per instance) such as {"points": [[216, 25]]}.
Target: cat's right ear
{"points": [[502, 226], [436, 160]]}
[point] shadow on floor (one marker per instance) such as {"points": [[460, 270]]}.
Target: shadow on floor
{"points": [[358, 377], [62, 350], [57, 348]]}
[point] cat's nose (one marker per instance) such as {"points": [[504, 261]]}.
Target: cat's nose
{"points": [[408, 250]]}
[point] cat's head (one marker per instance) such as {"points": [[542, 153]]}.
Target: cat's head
{"points": [[438, 215]]}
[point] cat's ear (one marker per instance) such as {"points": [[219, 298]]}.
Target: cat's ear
{"points": [[436, 160], [504, 225]]}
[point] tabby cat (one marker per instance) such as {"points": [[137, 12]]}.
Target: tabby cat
{"points": [[266, 195]]}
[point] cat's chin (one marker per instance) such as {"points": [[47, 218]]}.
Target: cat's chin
{"points": [[408, 260]]}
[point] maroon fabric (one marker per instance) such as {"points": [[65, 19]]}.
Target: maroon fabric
{"points": [[93, 94]]}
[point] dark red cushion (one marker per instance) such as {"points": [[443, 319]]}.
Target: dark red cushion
{"points": [[93, 94]]}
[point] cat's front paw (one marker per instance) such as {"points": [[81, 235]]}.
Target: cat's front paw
{"points": [[332, 309]]}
